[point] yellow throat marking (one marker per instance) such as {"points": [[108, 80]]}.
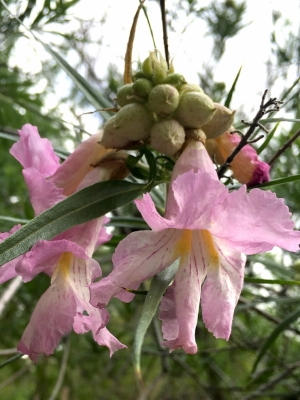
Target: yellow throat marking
{"points": [[63, 266], [210, 247], [183, 246]]}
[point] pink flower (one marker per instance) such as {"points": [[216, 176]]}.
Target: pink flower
{"points": [[246, 166], [67, 258], [208, 229]]}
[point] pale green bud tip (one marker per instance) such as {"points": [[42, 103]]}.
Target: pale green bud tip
{"points": [[194, 109], [167, 137], [220, 122], [134, 122], [163, 100]]}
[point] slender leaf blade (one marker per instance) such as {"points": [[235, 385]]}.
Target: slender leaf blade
{"points": [[85, 205], [158, 286], [276, 332], [232, 89]]}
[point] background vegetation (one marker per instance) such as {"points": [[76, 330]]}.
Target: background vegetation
{"points": [[267, 315]]}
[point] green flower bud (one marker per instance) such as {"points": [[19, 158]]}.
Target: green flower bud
{"points": [[138, 75], [189, 87], [111, 136], [159, 75], [163, 100], [134, 121], [148, 65], [194, 109], [220, 122], [126, 96], [176, 80], [142, 87], [167, 137]]}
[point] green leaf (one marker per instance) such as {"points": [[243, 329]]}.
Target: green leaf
{"points": [[127, 222], [279, 181], [276, 332], [268, 138], [85, 205], [158, 286], [90, 93], [232, 89], [271, 281]]}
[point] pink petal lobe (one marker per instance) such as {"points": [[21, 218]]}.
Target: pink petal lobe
{"points": [[147, 208], [51, 319], [43, 193], [193, 158], [44, 256], [78, 164], [137, 257], [221, 289], [32, 151], [8, 270], [179, 320], [196, 195], [261, 221]]}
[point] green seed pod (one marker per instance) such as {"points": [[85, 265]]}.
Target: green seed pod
{"points": [[220, 122], [138, 75], [167, 137], [111, 136], [126, 96], [142, 87], [194, 109], [189, 87], [163, 100], [171, 69], [175, 80], [134, 122]]}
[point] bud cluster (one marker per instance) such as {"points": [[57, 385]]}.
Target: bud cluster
{"points": [[160, 104]]}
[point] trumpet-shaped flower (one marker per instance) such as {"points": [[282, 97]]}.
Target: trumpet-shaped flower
{"points": [[208, 229], [67, 258], [246, 166]]}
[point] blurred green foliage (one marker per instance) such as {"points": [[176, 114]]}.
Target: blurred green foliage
{"points": [[220, 370]]}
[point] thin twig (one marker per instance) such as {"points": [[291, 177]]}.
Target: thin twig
{"points": [[252, 126], [266, 315], [272, 382], [9, 292], [284, 147], [62, 370], [165, 32]]}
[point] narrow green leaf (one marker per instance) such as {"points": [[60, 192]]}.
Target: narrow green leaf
{"points": [[85, 205], [232, 89], [12, 359], [271, 281], [14, 220], [268, 138], [158, 286], [276, 332], [268, 120], [279, 181], [90, 93], [127, 222]]}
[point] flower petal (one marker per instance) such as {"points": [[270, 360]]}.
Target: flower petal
{"points": [[246, 166], [51, 319], [137, 257], [261, 221], [32, 151], [43, 193], [222, 288], [78, 164], [179, 320], [193, 158], [44, 256], [8, 270]]}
